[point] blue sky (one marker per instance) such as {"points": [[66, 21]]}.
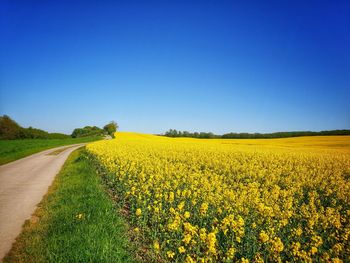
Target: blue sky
{"points": [[220, 66]]}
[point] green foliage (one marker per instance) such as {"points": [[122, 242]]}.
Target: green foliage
{"points": [[283, 134], [11, 130], [111, 128], [209, 135], [87, 131], [202, 135]]}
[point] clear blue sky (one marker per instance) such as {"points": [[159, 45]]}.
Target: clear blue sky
{"points": [[220, 66]]}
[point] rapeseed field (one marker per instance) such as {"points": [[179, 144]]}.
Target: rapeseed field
{"points": [[216, 200]]}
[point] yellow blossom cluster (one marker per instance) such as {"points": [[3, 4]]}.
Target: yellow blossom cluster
{"points": [[216, 200]]}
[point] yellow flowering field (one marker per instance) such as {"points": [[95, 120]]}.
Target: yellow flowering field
{"points": [[216, 200]]}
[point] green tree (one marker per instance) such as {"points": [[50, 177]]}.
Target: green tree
{"points": [[9, 129], [87, 131], [111, 128]]}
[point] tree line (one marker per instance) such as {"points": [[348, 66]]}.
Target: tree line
{"points": [[233, 135], [108, 129], [11, 130], [176, 133]]}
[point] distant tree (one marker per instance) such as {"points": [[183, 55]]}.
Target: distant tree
{"points": [[171, 133], [111, 128], [174, 133], [33, 133], [87, 131], [77, 133], [232, 135], [186, 134], [9, 129]]}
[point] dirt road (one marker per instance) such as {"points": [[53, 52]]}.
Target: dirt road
{"points": [[23, 183]]}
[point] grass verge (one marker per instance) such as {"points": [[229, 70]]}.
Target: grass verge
{"points": [[11, 150], [75, 222]]}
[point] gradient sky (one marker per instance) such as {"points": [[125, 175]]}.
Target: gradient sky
{"points": [[220, 66]]}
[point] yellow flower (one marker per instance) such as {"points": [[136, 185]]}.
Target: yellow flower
{"points": [[79, 216], [317, 240], [298, 231], [187, 215], [211, 243], [277, 245], [295, 248], [203, 234], [204, 208], [258, 259], [189, 259], [263, 236], [138, 212], [181, 206], [338, 247], [156, 246], [313, 250], [231, 253], [174, 225], [187, 239], [170, 254], [182, 249], [171, 197]]}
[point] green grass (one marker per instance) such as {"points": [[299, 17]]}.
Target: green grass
{"points": [[11, 150], [57, 234]]}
